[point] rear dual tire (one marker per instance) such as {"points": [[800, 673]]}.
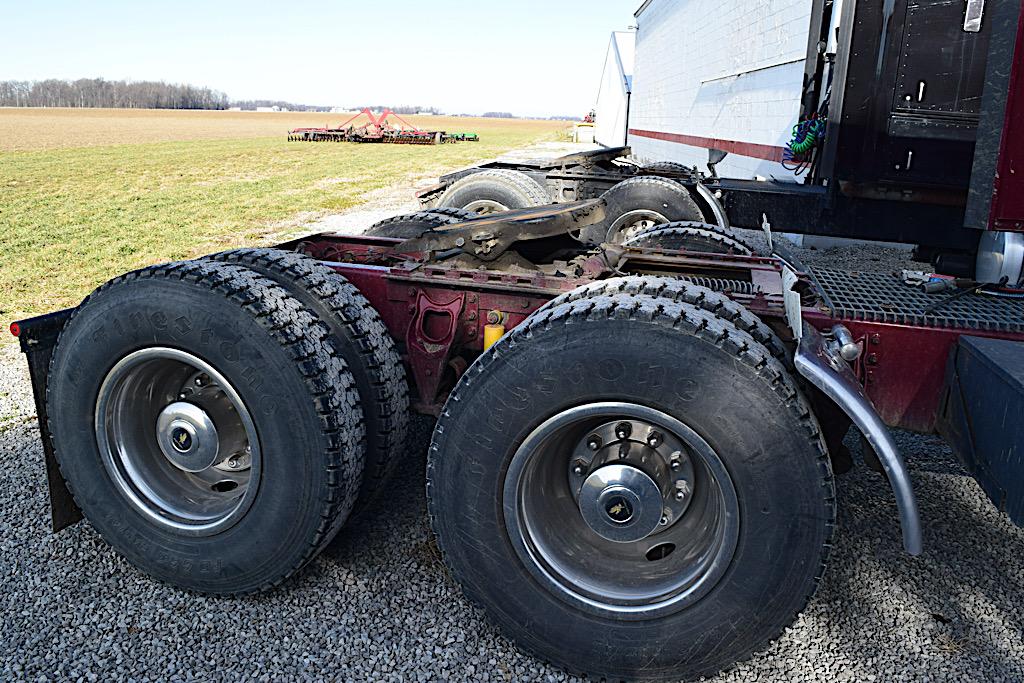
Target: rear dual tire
{"points": [[148, 384], [493, 191], [632, 206], [359, 337]]}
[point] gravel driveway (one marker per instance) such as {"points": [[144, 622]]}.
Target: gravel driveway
{"points": [[378, 605]]}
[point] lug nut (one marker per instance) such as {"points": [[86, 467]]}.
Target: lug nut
{"points": [[623, 451], [234, 463], [594, 442], [664, 520], [654, 440], [680, 494], [623, 430], [577, 470]]}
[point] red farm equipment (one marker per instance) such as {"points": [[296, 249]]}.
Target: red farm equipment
{"points": [[378, 129], [638, 425]]}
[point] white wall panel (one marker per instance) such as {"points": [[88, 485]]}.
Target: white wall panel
{"points": [[722, 69], [612, 97]]}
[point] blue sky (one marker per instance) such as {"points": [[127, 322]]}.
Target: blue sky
{"points": [[530, 57]]}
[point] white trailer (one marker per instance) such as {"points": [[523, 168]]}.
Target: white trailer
{"points": [[719, 74], [829, 117], [613, 95]]}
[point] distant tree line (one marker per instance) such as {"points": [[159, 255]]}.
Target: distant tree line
{"points": [[98, 92]]}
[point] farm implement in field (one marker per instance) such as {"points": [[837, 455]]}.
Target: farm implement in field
{"points": [[378, 129]]}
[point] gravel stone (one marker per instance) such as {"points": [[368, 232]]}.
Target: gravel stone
{"points": [[378, 605]]}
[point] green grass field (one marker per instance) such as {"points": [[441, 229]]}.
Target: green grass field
{"points": [[73, 217]]}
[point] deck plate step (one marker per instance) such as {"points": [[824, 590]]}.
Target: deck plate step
{"points": [[885, 298]]}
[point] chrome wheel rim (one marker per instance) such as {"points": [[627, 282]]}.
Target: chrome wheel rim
{"points": [[633, 223], [621, 510], [485, 206], [177, 441]]}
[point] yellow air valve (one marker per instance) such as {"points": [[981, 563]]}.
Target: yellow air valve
{"points": [[494, 328]]}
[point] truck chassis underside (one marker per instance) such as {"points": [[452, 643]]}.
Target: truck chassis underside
{"points": [[850, 348]]}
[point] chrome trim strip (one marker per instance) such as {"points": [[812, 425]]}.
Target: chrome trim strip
{"points": [[972, 17], [834, 377], [716, 206]]}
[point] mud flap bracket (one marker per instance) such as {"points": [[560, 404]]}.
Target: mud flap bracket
{"points": [[822, 366]]}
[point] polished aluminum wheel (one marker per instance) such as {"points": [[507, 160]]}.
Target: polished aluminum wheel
{"points": [[485, 207], [177, 440], [633, 223], [621, 510]]}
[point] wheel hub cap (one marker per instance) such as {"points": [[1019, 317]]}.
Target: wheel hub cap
{"points": [[632, 223], [620, 510], [187, 437], [620, 503], [177, 441]]}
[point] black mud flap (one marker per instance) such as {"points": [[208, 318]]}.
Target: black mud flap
{"points": [[38, 337], [981, 417]]}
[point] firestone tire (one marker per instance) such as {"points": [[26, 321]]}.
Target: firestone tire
{"points": [[124, 362], [722, 386], [494, 190], [638, 204], [360, 338]]}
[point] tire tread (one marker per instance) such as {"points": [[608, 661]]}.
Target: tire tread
{"points": [[693, 230], [386, 408], [681, 290], [399, 226]]}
